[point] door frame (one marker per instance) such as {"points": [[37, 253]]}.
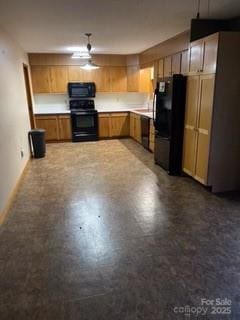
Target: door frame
{"points": [[29, 95]]}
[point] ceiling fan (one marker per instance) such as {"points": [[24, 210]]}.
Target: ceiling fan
{"points": [[86, 55]]}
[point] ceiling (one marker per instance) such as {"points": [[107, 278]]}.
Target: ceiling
{"points": [[118, 26]]}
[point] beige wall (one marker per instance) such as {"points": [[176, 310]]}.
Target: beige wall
{"points": [[14, 120]]}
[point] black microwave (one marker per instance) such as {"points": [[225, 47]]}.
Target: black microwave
{"points": [[81, 89]]}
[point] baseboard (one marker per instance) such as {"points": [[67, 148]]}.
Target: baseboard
{"points": [[4, 212]]}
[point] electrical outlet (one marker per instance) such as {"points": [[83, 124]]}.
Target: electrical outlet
{"points": [[22, 153]]}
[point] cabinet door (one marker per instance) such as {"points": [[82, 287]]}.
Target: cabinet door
{"points": [[176, 63], [75, 73], [101, 77], [145, 80], [50, 124], [167, 66], [204, 127], [185, 62], [151, 136], [118, 79], [160, 68], [210, 54], [104, 125], [40, 79], [137, 133], [119, 125], [132, 125], [196, 56], [65, 128], [132, 78], [59, 79], [190, 125]]}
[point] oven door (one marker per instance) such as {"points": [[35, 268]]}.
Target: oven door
{"points": [[84, 125]]}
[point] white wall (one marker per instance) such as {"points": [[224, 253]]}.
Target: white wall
{"points": [[14, 119], [103, 101]]}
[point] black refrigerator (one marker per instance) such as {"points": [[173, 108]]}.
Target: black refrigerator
{"points": [[168, 116]]}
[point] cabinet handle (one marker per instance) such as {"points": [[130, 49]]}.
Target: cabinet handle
{"points": [[201, 70]]}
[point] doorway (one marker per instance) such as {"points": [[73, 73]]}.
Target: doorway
{"points": [[29, 96]]}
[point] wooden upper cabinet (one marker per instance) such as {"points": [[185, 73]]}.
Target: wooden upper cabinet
{"points": [[176, 63], [133, 78], [41, 79], [210, 54], [160, 68], [196, 56], [185, 62], [118, 79], [59, 79], [75, 73], [167, 66], [145, 84], [101, 77], [65, 128]]}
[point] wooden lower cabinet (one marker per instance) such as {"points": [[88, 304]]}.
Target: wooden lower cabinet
{"points": [[151, 136], [135, 127], [58, 127], [115, 124], [104, 125], [65, 128]]}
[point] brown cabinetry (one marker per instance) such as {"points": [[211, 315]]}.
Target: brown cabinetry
{"points": [[59, 79], [132, 78], [135, 127], [40, 79], [167, 70], [160, 72], [145, 81], [58, 127], [176, 63], [185, 62], [212, 112], [115, 124], [151, 136], [203, 55], [118, 79]]}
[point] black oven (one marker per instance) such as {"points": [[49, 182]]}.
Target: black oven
{"points": [[81, 90], [84, 119]]}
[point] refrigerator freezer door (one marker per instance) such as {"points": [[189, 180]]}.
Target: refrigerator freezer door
{"points": [[161, 151]]}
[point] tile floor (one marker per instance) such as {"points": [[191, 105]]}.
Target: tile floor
{"points": [[98, 232]]}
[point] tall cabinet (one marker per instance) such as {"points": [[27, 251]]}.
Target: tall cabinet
{"points": [[211, 151]]}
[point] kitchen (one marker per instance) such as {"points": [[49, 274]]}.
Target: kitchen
{"points": [[131, 208]]}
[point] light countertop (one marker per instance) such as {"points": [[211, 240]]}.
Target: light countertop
{"points": [[54, 110]]}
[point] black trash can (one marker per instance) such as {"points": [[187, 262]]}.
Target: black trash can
{"points": [[37, 143]]}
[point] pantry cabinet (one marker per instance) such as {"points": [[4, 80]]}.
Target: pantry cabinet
{"points": [[58, 127], [199, 103], [203, 55], [212, 115]]}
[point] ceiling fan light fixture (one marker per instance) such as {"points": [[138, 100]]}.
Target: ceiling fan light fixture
{"points": [[90, 66], [81, 55]]}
